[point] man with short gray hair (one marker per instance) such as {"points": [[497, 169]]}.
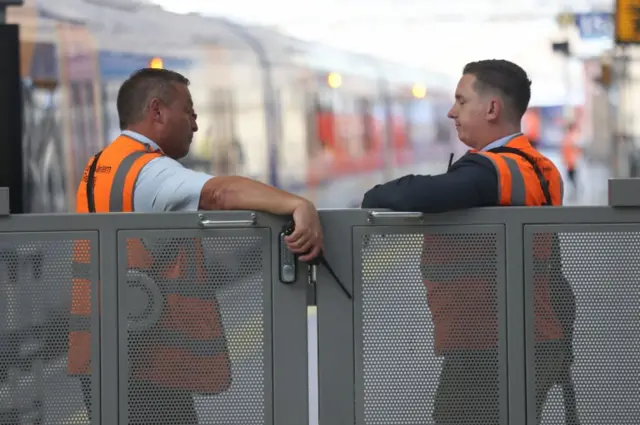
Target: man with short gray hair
{"points": [[140, 172]]}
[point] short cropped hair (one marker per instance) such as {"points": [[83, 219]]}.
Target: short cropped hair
{"points": [[140, 88], [506, 78]]}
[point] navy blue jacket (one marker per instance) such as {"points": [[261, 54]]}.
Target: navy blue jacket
{"points": [[472, 181]]}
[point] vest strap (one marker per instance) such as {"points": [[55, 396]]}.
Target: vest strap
{"points": [[91, 202]]}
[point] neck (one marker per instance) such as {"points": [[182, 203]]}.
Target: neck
{"points": [[147, 132], [141, 129], [499, 133]]}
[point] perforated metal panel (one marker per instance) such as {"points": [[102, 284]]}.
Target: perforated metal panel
{"points": [[449, 277], [35, 305], [601, 269], [185, 365]]}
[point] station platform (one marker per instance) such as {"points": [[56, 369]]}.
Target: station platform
{"points": [[592, 181]]}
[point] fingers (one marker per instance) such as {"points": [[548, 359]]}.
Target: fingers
{"points": [[316, 251], [305, 245], [298, 234], [308, 245], [301, 246], [306, 239]]}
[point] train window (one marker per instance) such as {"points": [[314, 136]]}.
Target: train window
{"points": [[326, 112], [444, 127], [366, 115], [45, 165], [421, 122], [398, 124], [313, 111], [111, 122], [347, 124], [341, 122], [85, 136], [407, 110], [217, 141], [325, 100], [223, 131]]}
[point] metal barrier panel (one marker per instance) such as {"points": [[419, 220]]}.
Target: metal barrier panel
{"points": [[36, 283], [406, 278], [233, 289], [147, 340], [599, 265], [376, 364]]}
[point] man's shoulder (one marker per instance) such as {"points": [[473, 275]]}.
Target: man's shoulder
{"points": [[543, 162], [161, 163], [163, 168], [164, 184], [474, 159]]}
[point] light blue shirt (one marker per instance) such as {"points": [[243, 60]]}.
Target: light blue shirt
{"points": [[164, 184], [500, 142]]}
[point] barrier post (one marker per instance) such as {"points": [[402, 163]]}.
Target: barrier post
{"points": [[518, 323], [5, 201], [624, 192], [11, 157]]}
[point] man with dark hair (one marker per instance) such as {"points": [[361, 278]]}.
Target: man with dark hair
{"points": [[184, 351], [504, 78], [460, 274], [490, 100]]}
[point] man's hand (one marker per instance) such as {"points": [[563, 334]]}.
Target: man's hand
{"points": [[307, 237]]}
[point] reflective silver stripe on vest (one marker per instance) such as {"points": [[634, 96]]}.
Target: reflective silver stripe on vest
{"points": [[116, 198], [518, 190], [204, 348], [81, 270], [490, 157], [79, 323], [518, 193], [561, 191]]}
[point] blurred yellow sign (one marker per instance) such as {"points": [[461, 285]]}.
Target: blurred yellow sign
{"points": [[628, 21]]}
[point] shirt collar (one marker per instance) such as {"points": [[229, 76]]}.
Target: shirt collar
{"points": [[500, 142], [142, 139]]}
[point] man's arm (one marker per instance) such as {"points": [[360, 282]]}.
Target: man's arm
{"points": [[165, 185], [242, 193], [471, 182]]}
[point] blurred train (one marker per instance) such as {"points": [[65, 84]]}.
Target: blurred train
{"points": [[304, 117]]}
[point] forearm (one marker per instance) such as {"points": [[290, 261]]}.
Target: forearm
{"points": [[241, 193]]}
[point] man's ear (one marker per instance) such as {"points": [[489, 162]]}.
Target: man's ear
{"points": [[494, 108], [155, 110]]}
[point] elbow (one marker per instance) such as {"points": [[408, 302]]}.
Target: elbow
{"points": [[370, 200], [405, 204], [395, 204], [367, 201], [220, 193]]}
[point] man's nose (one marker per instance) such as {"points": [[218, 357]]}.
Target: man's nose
{"points": [[452, 113]]}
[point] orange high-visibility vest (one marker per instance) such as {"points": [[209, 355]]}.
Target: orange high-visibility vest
{"points": [[461, 279], [187, 348]]}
